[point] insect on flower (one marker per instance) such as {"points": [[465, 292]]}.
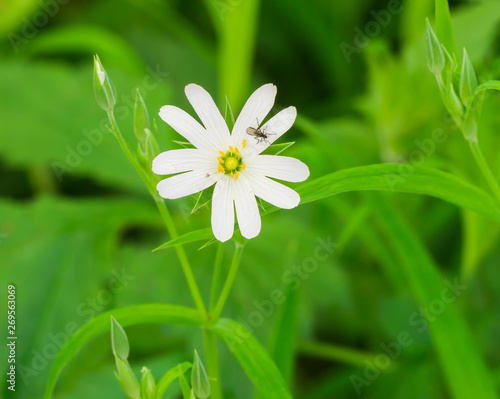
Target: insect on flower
{"points": [[237, 167], [259, 133]]}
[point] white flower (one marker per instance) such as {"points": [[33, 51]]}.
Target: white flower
{"points": [[231, 161]]}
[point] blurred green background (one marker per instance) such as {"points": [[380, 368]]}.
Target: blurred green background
{"points": [[74, 215]]}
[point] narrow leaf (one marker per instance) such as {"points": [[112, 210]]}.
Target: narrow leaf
{"points": [[192, 236], [394, 177], [444, 29], [169, 377], [253, 358]]}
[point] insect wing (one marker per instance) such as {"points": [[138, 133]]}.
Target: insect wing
{"points": [[252, 132]]}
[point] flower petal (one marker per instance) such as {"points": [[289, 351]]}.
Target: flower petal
{"points": [[185, 184], [247, 210], [279, 167], [273, 192], [223, 210], [209, 114], [177, 161], [186, 126], [256, 108]]}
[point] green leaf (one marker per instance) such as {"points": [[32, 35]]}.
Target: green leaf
{"points": [[186, 390], [169, 377], [131, 315], [465, 370], [237, 27], [192, 236], [253, 358], [395, 177], [119, 340], [284, 336], [443, 28]]}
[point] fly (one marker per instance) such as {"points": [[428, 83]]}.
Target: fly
{"points": [[259, 134]]}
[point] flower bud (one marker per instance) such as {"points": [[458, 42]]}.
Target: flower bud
{"points": [[435, 54], [468, 80], [127, 379], [199, 378], [104, 90], [119, 340], [454, 104], [141, 117], [148, 384]]}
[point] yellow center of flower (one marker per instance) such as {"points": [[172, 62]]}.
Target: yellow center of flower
{"points": [[231, 162]]}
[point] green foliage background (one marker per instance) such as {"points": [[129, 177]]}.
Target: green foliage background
{"points": [[64, 238]]}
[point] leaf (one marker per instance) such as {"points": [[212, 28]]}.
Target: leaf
{"points": [[253, 358], [192, 236], [284, 336], [444, 30], [131, 315], [169, 377], [466, 373], [186, 390], [394, 177]]}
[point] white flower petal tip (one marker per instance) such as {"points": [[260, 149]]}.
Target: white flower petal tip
{"points": [[102, 76]]}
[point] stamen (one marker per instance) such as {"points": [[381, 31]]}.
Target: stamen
{"points": [[237, 151], [231, 149], [237, 174], [220, 160], [244, 144], [220, 152], [221, 169], [243, 166], [232, 175]]}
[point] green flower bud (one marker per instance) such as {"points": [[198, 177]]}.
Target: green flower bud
{"points": [[449, 68], [119, 340], [141, 117], [149, 149], [199, 378], [435, 54], [468, 80], [454, 104], [104, 90], [127, 379], [148, 384]]}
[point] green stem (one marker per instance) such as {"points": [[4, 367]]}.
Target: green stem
{"points": [[337, 353], [229, 282], [212, 359], [165, 214], [216, 277], [485, 169], [181, 254]]}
